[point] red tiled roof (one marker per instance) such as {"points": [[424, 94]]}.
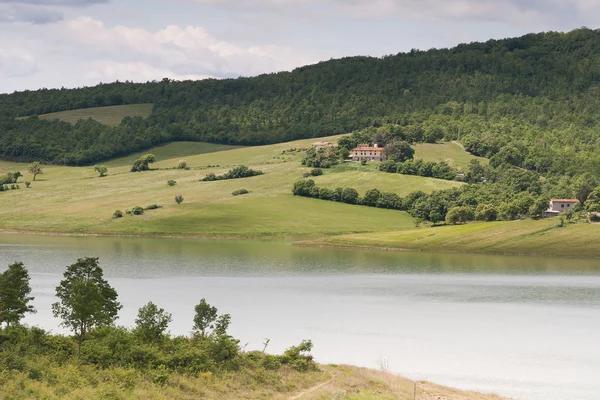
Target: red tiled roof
{"points": [[565, 200], [368, 149]]}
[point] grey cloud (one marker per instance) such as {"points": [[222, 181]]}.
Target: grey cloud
{"points": [[67, 3], [29, 14]]}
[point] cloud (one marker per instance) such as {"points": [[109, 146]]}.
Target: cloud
{"points": [[67, 3], [507, 11], [16, 62], [18, 13]]}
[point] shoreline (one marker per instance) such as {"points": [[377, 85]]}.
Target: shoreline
{"points": [[295, 242]]}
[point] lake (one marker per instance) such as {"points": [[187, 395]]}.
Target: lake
{"points": [[522, 327]]}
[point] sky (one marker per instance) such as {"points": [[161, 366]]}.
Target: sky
{"points": [[74, 43]]}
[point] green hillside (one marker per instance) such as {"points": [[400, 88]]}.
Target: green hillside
{"points": [[111, 116]]}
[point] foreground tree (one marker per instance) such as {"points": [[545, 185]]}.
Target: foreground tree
{"points": [[86, 299], [143, 163], [152, 322], [35, 169], [101, 170], [399, 151], [205, 317], [15, 294]]}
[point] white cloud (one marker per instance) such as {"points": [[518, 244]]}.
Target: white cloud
{"points": [[16, 62]]}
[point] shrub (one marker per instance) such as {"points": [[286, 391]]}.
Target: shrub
{"points": [[179, 199], [153, 207], [371, 198], [27, 184], [182, 164], [101, 170], [486, 212], [390, 201], [594, 218], [118, 214], [137, 210], [142, 164], [171, 182], [210, 177], [363, 161], [316, 172], [239, 192], [350, 196], [460, 215], [302, 188], [326, 194], [388, 166]]}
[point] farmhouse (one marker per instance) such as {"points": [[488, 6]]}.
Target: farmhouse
{"points": [[364, 152], [558, 206]]}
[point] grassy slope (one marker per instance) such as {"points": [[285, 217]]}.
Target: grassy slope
{"points": [[517, 237], [112, 115], [75, 200], [332, 382], [453, 153]]}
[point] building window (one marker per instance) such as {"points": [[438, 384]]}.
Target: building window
{"points": [[562, 206], [568, 205]]}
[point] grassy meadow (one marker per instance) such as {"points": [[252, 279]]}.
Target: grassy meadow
{"points": [[71, 381], [543, 237], [452, 152], [112, 115]]}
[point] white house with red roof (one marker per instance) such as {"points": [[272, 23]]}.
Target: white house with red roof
{"points": [[365, 152]]}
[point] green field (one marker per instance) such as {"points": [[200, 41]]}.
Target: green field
{"points": [[543, 237], [112, 115], [453, 153]]}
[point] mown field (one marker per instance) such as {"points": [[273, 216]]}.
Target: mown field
{"points": [[76, 200], [452, 152], [112, 115], [71, 381], [544, 237]]}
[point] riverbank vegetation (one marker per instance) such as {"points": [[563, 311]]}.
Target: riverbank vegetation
{"points": [[102, 360]]}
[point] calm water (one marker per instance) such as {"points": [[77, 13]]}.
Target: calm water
{"points": [[528, 328]]}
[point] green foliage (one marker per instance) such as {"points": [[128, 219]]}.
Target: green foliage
{"points": [[35, 169], [539, 207], [241, 171], [399, 151], [137, 210], [153, 207], [204, 318], [15, 294], [118, 214], [593, 201], [240, 192], [322, 157], [143, 163], [509, 211], [316, 172], [350, 196], [486, 212], [299, 356], [179, 198], [86, 300], [430, 169], [151, 322], [371, 198], [460, 215], [171, 182], [101, 170], [27, 184]]}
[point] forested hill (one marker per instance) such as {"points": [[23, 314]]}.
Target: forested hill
{"points": [[539, 93]]}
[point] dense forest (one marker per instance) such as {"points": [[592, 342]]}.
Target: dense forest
{"points": [[533, 101]]}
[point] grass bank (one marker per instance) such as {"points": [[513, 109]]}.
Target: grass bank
{"points": [[529, 237], [71, 381]]}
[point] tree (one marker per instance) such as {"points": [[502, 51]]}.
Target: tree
{"points": [[460, 215], [179, 198], [142, 164], [539, 207], [399, 151], [593, 201], [350, 196], [35, 169], [486, 212], [205, 317], [436, 217], [371, 197], [86, 299], [101, 170], [152, 322], [15, 294]]}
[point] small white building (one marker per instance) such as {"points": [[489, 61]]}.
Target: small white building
{"points": [[558, 206]]}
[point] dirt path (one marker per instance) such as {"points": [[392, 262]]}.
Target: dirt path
{"points": [[312, 389]]}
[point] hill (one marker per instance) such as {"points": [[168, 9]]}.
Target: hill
{"points": [[111, 116], [536, 93]]}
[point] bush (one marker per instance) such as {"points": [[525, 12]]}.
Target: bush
{"points": [[363, 161], [210, 177], [137, 210], [371, 198], [27, 184], [326, 194], [118, 214], [388, 166], [239, 192], [142, 164], [486, 212], [316, 172], [171, 183], [460, 215], [153, 207], [350, 196], [390, 201], [594, 218], [182, 164], [179, 199]]}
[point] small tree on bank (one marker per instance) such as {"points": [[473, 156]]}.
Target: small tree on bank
{"points": [[143, 163], [15, 294], [152, 322], [35, 169], [101, 170], [205, 317], [86, 299]]}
